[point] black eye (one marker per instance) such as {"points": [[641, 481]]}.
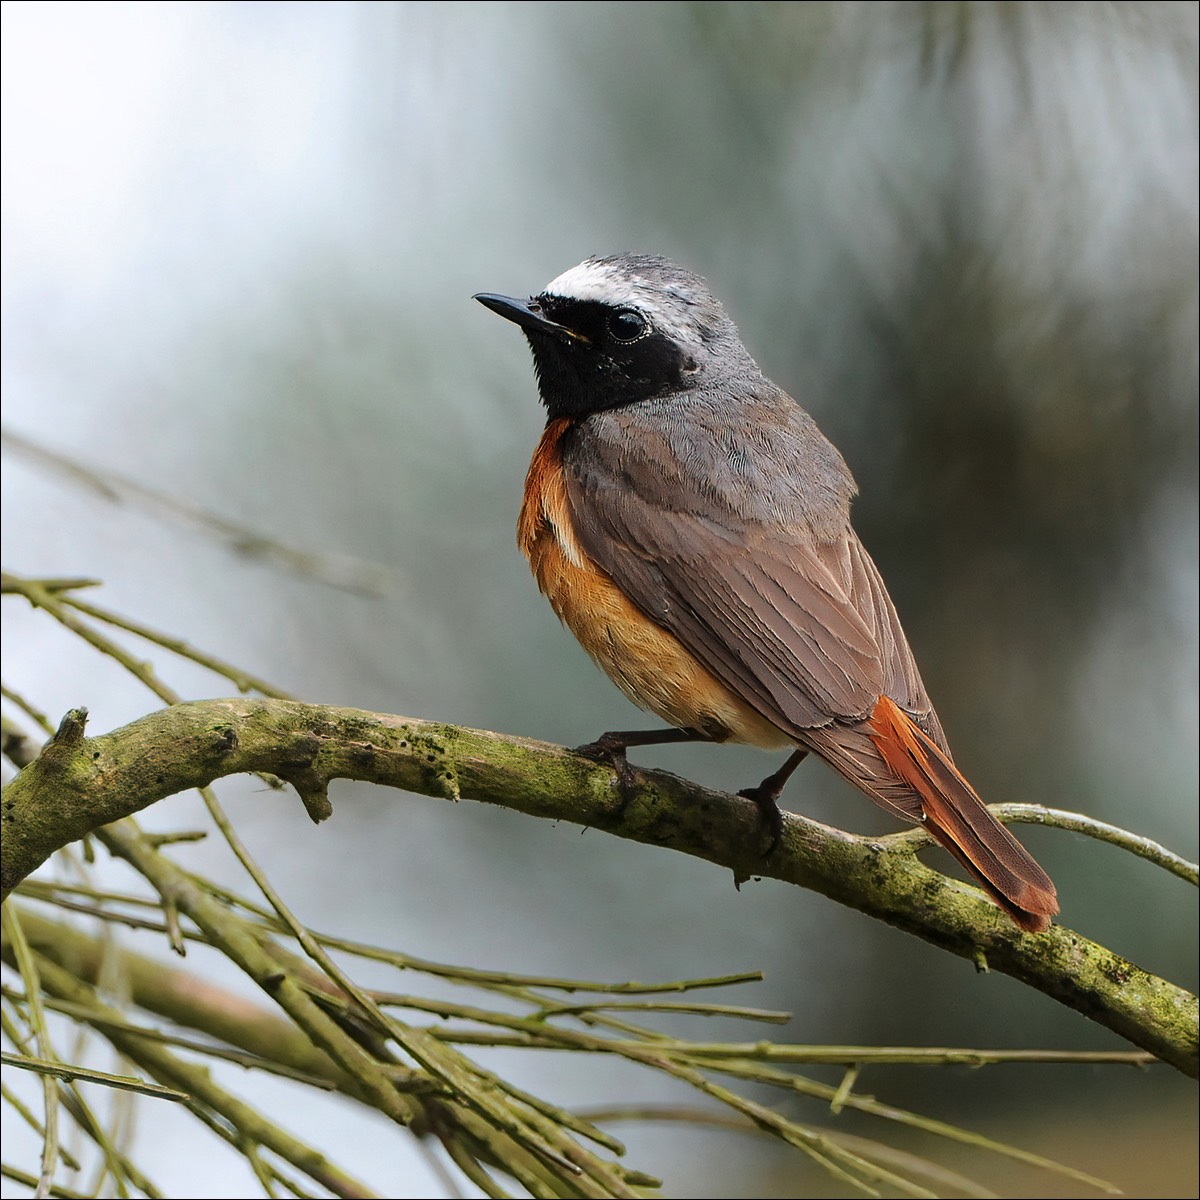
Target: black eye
{"points": [[627, 325]]}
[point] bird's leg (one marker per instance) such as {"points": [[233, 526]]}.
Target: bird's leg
{"points": [[766, 796], [611, 747]]}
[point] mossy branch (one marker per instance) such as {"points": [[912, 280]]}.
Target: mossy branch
{"points": [[78, 784]]}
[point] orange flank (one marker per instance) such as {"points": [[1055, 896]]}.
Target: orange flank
{"points": [[649, 664]]}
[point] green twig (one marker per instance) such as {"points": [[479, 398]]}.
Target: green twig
{"points": [[62, 1071]]}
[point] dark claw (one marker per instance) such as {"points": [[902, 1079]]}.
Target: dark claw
{"points": [[611, 750], [605, 748], [766, 796], [769, 814]]}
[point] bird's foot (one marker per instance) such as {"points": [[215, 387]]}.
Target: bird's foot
{"points": [[610, 748], [766, 796], [769, 814]]}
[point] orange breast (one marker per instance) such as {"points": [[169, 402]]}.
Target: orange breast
{"points": [[650, 665]]}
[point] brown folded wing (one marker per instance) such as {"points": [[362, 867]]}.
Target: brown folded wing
{"points": [[801, 629]]}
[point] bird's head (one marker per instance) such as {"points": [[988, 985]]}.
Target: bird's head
{"points": [[621, 329]]}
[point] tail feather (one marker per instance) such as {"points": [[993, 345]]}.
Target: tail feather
{"points": [[956, 816]]}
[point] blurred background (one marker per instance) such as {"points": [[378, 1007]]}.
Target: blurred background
{"points": [[240, 242]]}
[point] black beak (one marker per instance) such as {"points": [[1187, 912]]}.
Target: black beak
{"points": [[526, 313]]}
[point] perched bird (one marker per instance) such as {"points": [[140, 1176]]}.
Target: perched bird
{"points": [[690, 524]]}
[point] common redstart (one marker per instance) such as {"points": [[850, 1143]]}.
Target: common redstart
{"points": [[690, 525]]}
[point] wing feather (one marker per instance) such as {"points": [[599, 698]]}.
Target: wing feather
{"points": [[796, 623]]}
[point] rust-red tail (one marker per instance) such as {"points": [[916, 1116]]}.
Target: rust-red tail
{"points": [[957, 817]]}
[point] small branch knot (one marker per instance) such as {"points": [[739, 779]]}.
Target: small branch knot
{"points": [[67, 739]]}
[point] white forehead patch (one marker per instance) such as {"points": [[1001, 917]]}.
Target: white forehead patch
{"points": [[600, 281], [677, 303], [614, 284]]}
